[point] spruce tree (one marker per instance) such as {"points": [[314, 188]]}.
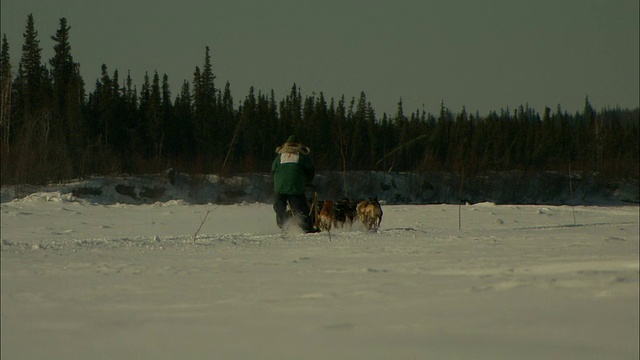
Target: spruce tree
{"points": [[155, 118], [68, 96], [183, 112], [208, 140], [33, 114], [359, 136], [167, 116], [61, 68], [5, 96], [33, 78]]}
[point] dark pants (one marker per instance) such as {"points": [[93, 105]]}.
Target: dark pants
{"points": [[299, 207]]}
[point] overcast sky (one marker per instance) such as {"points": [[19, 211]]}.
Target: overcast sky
{"points": [[481, 54]]}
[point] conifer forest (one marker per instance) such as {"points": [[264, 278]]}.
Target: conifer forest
{"points": [[56, 127]]}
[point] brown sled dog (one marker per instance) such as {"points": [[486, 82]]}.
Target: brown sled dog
{"points": [[327, 215], [370, 213]]}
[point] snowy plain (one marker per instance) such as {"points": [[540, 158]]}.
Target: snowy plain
{"points": [[85, 280]]}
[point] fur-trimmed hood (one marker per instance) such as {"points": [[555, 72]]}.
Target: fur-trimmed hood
{"points": [[294, 148]]}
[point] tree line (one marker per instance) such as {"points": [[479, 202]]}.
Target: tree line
{"points": [[53, 130]]}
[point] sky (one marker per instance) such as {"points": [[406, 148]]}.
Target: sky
{"points": [[481, 55]]}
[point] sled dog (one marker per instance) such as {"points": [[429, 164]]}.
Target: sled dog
{"points": [[369, 212], [327, 215]]}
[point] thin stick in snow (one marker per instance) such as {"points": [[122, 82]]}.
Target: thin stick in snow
{"points": [[460, 200], [202, 222], [573, 211]]}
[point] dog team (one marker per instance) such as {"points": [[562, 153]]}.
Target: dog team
{"points": [[337, 214]]}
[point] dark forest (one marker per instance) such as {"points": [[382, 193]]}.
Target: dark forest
{"points": [[53, 129]]}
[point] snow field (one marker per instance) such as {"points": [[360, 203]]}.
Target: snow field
{"points": [[82, 280]]}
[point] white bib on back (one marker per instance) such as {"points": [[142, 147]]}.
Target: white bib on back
{"points": [[287, 158]]}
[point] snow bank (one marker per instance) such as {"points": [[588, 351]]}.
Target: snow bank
{"points": [[391, 188]]}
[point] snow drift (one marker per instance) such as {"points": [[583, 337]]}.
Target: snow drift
{"points": [[392, 188]]}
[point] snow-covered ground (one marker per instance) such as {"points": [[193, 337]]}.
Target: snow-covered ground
{"points": [[88, 280]]}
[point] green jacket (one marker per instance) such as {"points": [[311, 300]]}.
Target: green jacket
{"points": [[292, 169]]}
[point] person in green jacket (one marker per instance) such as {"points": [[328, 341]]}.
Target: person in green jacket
{"points": [[292, 170]]}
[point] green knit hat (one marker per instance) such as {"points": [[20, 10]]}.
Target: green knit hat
{"points": [[293, 139]]}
